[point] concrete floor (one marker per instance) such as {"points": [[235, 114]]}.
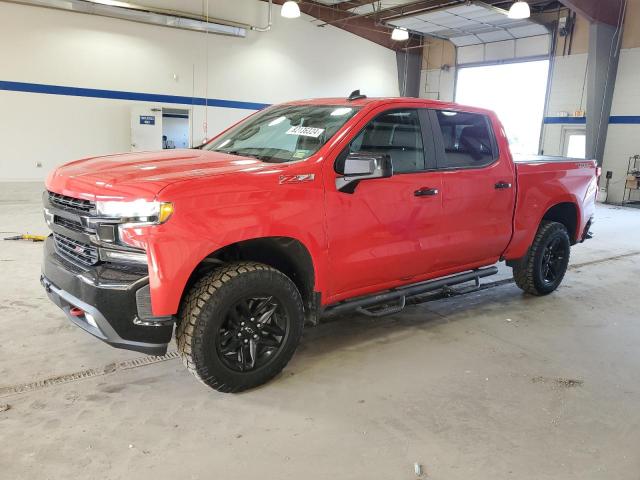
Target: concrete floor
{"points": [[492, 385]]}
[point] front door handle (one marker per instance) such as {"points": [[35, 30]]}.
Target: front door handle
{"points": [[426, 192], [502, 185]]}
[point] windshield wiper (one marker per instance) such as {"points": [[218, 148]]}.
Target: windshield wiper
{"points": [[240, 153]]}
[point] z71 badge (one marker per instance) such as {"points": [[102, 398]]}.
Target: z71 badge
{"points": [[305, 177]]}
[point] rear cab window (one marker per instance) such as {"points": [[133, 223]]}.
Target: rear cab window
{"points": [[467, 139]]}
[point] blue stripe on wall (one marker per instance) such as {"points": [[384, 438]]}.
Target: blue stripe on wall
{"points": [[614, 119], [625, 119], [121, 95], [568, 120]]}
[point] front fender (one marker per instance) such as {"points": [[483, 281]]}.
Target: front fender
{"points": [[209, 217]]}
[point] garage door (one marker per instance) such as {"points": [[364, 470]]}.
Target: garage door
{"points": [[481, 33]]}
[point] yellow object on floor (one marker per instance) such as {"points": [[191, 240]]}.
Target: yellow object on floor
{"points": [[26, 236]]}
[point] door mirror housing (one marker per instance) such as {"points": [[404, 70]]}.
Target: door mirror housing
{"points": [[363, 166]]}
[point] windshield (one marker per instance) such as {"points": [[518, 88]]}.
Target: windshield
{"points": [[283, 134]]}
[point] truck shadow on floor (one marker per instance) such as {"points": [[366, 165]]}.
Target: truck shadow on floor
{"points": [[357, 332]]}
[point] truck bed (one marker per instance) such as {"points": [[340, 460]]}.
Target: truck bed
{"points": [[545, 181]]}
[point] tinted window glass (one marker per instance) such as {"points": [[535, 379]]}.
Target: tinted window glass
{"points": [[467, 139], [396, 133]]}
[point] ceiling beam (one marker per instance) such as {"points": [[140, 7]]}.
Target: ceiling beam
{"points": [[364, 27], [349, 4], [609, 11]]}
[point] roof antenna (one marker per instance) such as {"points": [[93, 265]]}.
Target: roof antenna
{"points": [[355, 95]]}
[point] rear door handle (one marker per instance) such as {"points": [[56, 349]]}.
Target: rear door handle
{"points": [[426, 192], [502, 185]]}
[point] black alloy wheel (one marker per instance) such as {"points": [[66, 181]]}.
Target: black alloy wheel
{"points": [[553, 260], [252, 334]]}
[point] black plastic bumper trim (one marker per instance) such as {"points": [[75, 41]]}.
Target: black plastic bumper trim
{"points": [[103, 329]]}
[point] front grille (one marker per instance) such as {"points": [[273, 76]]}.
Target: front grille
{"points": [[70, 203], [76, 251], [71, 224]]}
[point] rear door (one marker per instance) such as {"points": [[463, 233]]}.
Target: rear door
{"points": [[378, 233], [478, 193]]}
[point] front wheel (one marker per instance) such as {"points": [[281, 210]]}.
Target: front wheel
{"points": [[239, 326], [542, 269]]}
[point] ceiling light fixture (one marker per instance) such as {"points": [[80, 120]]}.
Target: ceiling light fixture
{"points": [[400, 34], [519, 10], [290, 9]]}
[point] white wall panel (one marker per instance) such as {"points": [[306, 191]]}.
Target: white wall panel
{"points": [[623, 141], [568, 87], [626, 97], [438, 84], [566, 95], [294, 60]]}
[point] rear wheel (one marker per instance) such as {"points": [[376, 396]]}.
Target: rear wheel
{"points": [[542, 269], [239, 326]]}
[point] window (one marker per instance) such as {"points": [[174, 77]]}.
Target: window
{"points": [[467, 139], [285, 133], [396, 133], [575, 144]]}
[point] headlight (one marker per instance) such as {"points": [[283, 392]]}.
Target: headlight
{"points": [[138, 211]]}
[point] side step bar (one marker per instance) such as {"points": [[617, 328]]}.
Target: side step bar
{"points": [[399, 295]]}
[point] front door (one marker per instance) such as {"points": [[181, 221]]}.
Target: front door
{"points": [[377, 233]]}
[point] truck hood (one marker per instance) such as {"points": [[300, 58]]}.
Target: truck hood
{"points": [[145, 174]]}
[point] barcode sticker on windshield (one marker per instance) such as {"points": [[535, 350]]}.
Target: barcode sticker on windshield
{"points": [[305, 131]]}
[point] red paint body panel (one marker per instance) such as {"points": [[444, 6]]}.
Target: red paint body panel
{"points": [[540, 186], [380, 237]]}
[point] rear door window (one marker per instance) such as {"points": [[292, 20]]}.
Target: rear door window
{"points": [[467, 139]]}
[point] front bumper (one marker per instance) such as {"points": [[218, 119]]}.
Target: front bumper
{"points": [[109, 302]]}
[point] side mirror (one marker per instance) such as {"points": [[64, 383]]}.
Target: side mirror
{"points": [[363, 166]]}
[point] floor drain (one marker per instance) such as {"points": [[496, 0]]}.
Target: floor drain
{"points": [[89, 373]]}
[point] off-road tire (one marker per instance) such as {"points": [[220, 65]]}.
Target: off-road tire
{"points": [[203, 310], [528, 271]]}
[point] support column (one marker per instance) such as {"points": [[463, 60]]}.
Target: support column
{"points": [[604, 52]]}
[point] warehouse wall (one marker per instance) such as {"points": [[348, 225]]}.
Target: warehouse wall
{"points": [[623, 139], [438, 76], [294, 60], [568, 95]]}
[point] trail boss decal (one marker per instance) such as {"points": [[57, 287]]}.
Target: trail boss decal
{"points": [[305, 131]]}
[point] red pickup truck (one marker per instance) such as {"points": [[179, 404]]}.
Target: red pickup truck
{"points": [[302, 210]]}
